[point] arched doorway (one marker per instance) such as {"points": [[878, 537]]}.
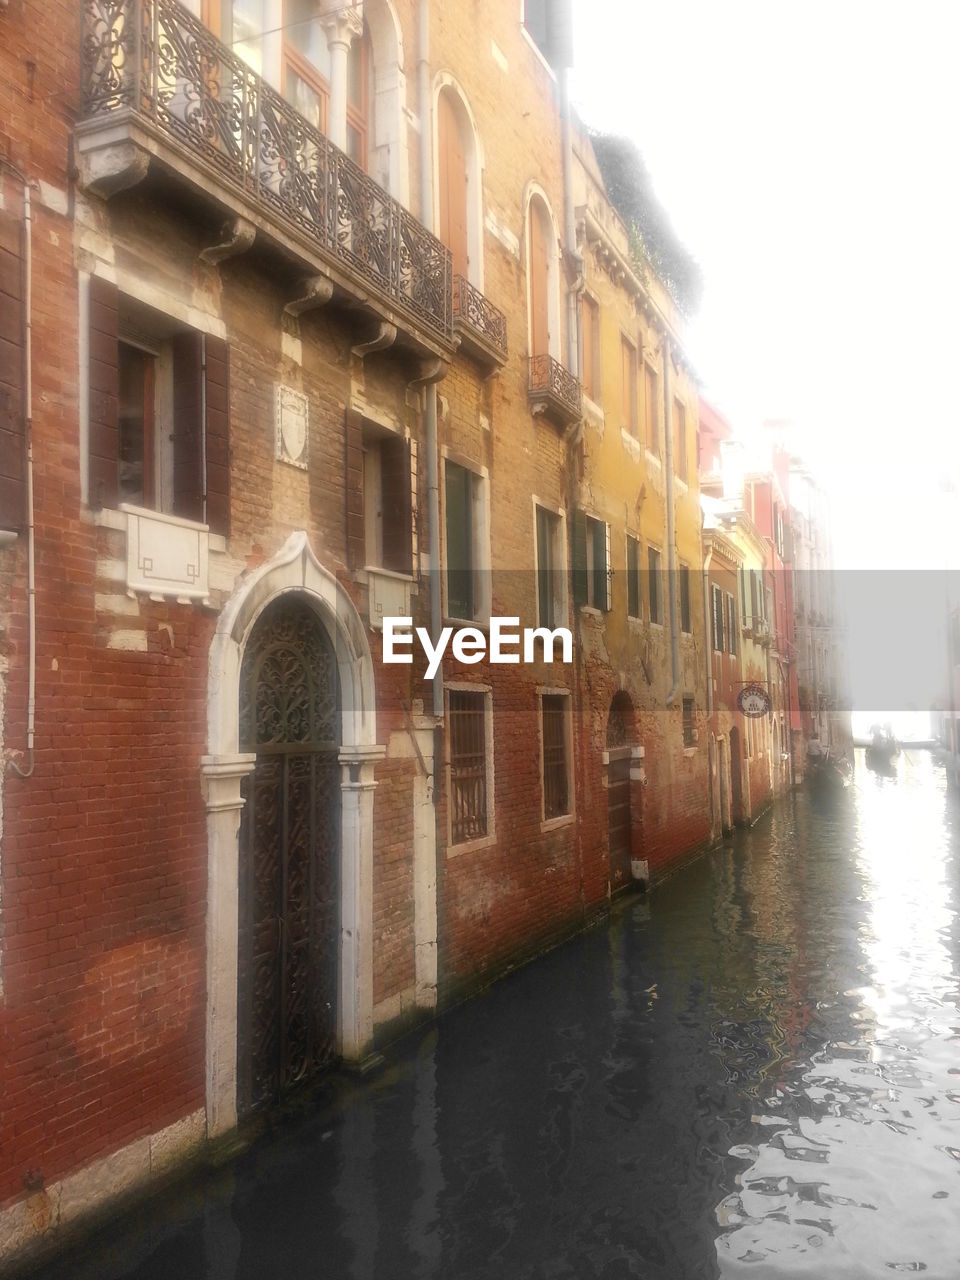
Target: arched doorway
{"points": [[620, 736], [289, 887], [736, 777]]}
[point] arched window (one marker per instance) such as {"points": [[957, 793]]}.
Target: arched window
{"points": [[452, 184], [543, 307], [306, 75], [459, 203]]}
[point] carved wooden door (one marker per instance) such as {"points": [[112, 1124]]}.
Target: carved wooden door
{"points": [[290, 855]]}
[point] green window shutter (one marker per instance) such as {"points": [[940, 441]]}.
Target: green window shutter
{"points": [[458, 493]]}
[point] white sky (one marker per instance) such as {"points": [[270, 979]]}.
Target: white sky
{"points": [[809, 156]]}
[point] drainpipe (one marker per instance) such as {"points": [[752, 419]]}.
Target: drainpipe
{"points": [[671, 527], [28, 432], [430, 389]]}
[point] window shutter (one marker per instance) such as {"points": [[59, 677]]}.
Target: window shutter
{"points": [[353, 487], [217, 434], [457, 530], [188, 425], [104, 428], [633, 577], [397, 513], [607, 574], [579, 558], [12, 444], [414, 507]]}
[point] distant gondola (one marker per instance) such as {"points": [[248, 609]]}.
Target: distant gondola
{"points": [[882, 750]]}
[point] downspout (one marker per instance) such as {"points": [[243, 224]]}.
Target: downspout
{"points": [[671, 527], [430, 389], [28, 432]]}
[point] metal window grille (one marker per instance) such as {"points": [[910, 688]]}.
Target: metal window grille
{"points": [[689, 738], [556, 799], [468, 766]]}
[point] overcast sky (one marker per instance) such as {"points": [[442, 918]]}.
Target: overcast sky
{"points": [[808, 156]]}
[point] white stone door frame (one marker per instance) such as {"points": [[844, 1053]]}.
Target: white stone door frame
{"points": [[294, 570]]}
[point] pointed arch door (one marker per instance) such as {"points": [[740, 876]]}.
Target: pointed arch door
{"points": [[289, 885]]}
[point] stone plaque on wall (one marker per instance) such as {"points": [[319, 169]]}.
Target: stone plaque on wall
{"points": [[292, 424]]}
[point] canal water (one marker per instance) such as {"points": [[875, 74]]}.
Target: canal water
{"points": [[753, 1071]]}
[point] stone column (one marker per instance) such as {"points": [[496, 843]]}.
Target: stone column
{"points": [[341, 27], [221, 777], [356, 869]]}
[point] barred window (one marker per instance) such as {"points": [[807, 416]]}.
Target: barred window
{"points": [[689, 722], [468, 766], [556, 773]]}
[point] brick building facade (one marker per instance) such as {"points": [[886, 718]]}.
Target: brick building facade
{"points": [[267, 408]]}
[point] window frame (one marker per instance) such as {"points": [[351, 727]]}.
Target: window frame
{"points": [[683, 581], [733, 647], [717, 617], [680, 441], [489, 837], [655, 593], [560, 594], [566, 817], [652, 434], [592, 388], [688, 723], [634, 577], [479, 539], [629, 387]]}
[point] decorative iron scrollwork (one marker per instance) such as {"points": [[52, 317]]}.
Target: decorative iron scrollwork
{"points": [[549, 377], [158, 59], [473, 310]]}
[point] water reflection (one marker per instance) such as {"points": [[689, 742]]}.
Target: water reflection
{"points": [[858, 1173], [754, 1070]]}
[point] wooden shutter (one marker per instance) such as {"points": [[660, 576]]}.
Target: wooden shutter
{"points": [[580, 566], [104, 428], [353, 486], [651, 409], [397, 513], [12, 443], [217, 434], [453, 184], [188, 425], [539, 328]]}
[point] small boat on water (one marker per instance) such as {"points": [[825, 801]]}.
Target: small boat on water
{"points": [[827, 771], [882, 750]]}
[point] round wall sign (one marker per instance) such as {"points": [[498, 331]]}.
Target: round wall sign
{"points": [[754, 701]]}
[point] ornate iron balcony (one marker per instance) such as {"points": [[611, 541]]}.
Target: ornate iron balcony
{"points": [[553, 391], [481, 325], [153, 63]]}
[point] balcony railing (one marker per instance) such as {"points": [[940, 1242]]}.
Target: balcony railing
{"points": [[481, 325], [154, 60], [553, 390]]}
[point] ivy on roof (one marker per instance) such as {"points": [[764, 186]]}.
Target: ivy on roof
{"points": [[653, 242]]}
